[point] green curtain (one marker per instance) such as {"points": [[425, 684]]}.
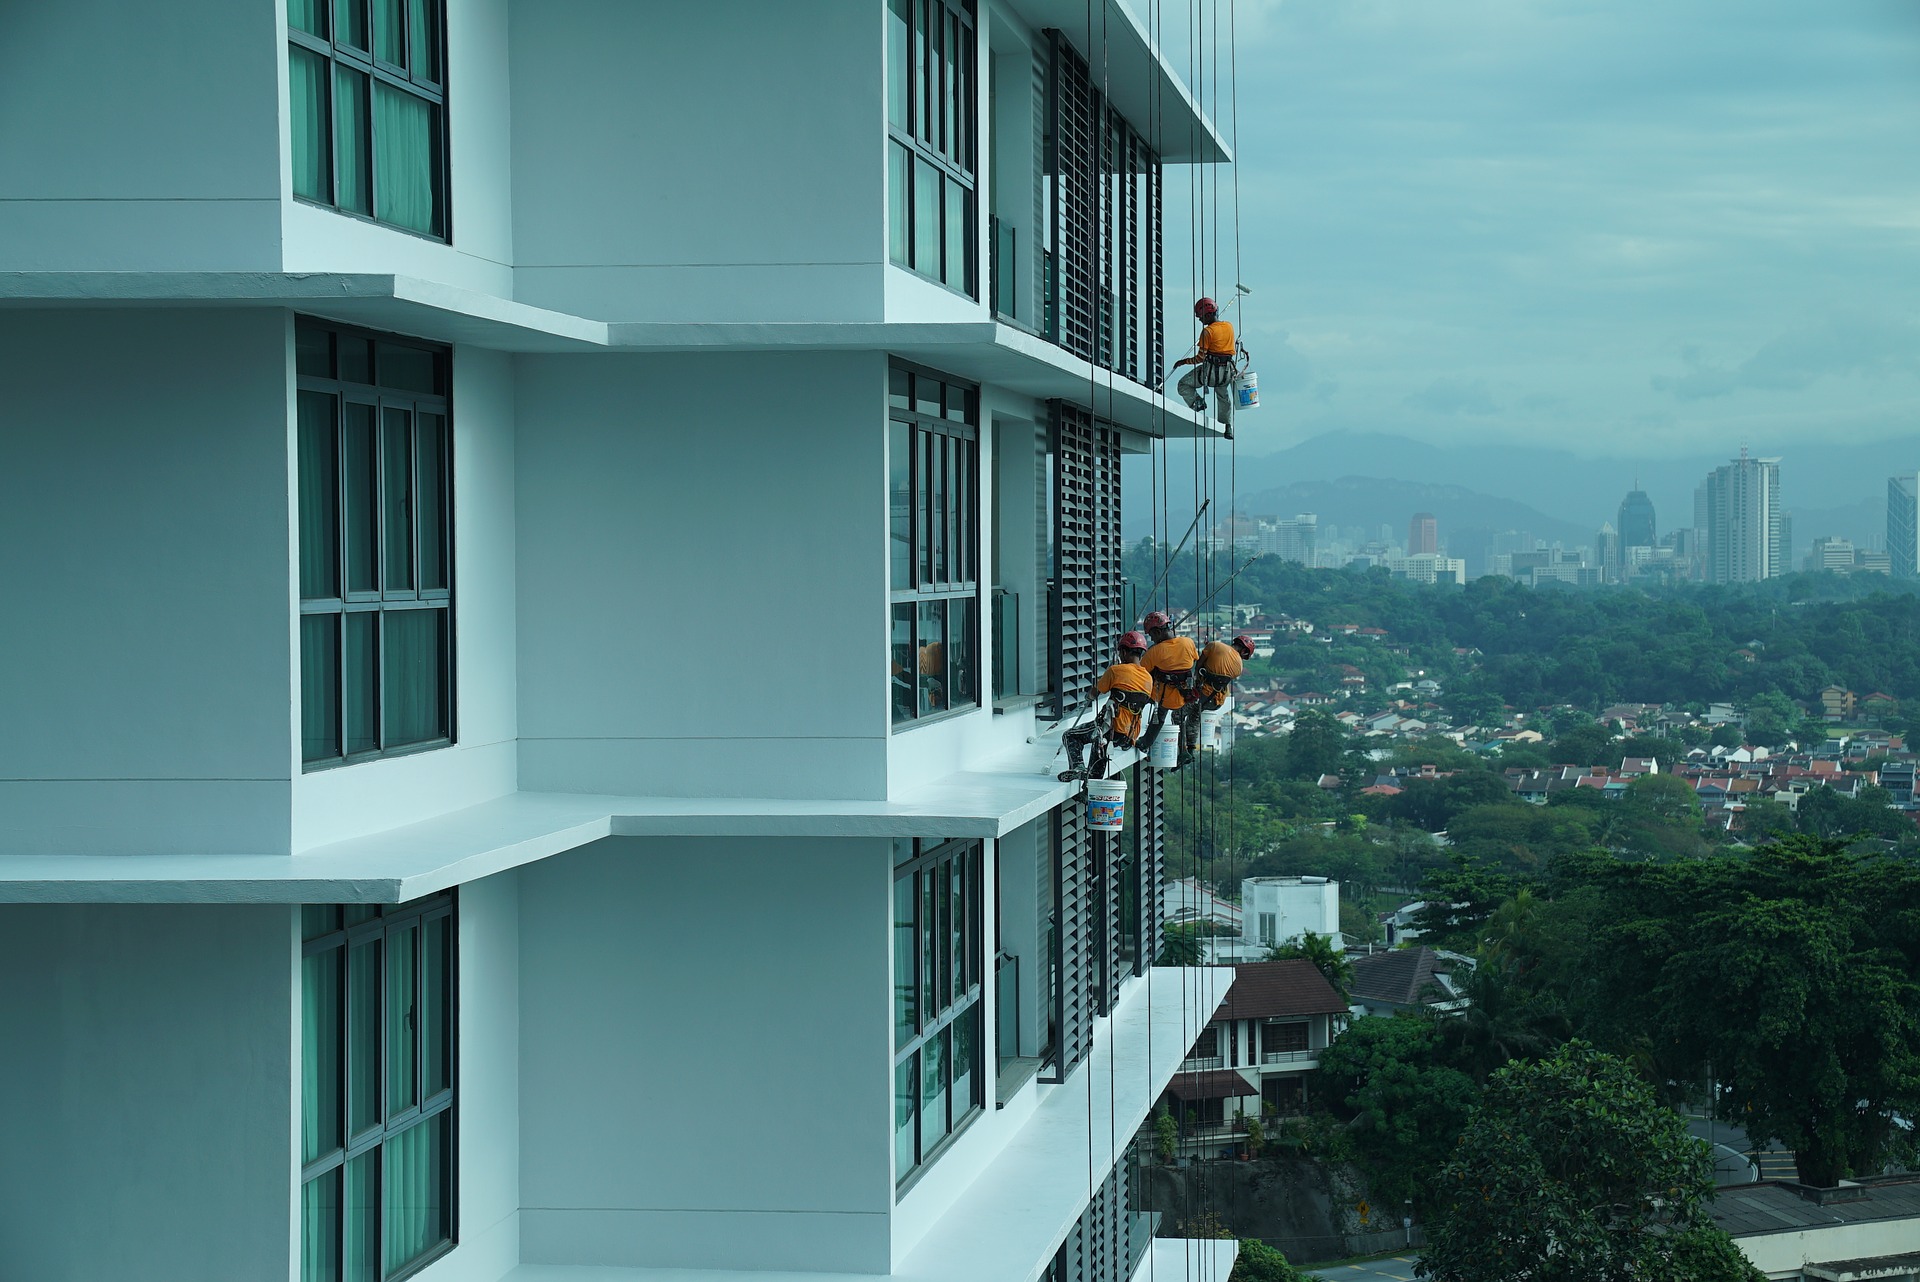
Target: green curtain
{"points": [[361, 677], [403, 159], [319, 686], [387, 34], [350, 136], [306, 15], [402, 1092], [423, 53], [413, 665], [362, 1212], [415, 1191], [319, 1054], [307, 87], [320, 1228], [319, 498]]}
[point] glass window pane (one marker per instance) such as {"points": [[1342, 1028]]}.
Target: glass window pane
{"points": [[362, 500], [959, 403], [308, 16], [319, 497], [430, 472], [933, 657], [436, 1042], [353, 173], [318, 919], [923, 99], [362, 1211], [926, 219], [922, 497], [900, 503], [899, 237], [929, 394], [396, 493], [320, 1228], [415, 1193], [356, 358], [360, 676], [938, 513], [899, 389], [307, 88], [956, 266], [898, 22], [363, 1037], [405, 159], [319, 686], [905, 947], [933, 1091], [312, 352], [903, 674], [350, 22], [358, 913], [906, 1099], [954, 918], [410, 369], [963, 654], [414, 668], [966, 1051], [930, 946], [423, 41], [950, 86], [319, 1054], [388, 43], [402, 1090]]}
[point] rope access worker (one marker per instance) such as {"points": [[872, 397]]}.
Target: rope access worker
{"points": [[1129, 691], [1170, 661], [1212, 363], [1220, 665]]}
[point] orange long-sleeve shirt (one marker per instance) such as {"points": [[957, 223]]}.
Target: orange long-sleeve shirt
{"points": [[1125, 678], [1220, 665], [1170, 657]]}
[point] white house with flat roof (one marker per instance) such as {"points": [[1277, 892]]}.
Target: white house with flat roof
{"points": [[383, 389]]}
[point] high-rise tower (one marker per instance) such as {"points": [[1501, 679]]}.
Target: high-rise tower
{"points": [[1423, 535], [1745, 525], [1903, 524]]}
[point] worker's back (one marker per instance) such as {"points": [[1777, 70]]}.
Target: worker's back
{"points": [[1221, 660], [1121, 680], [1216, 339], [1175, 654]]}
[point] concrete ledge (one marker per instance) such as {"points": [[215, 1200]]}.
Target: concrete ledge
{"points": [[1177, 1259]]}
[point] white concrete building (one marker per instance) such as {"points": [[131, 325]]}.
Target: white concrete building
{"points": [[1279, 910], [383, 387]]}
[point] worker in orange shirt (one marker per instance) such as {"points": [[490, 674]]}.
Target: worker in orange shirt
{"points": [[1212, 363], [1220, 665], [1129, 691], [1170, 661]]}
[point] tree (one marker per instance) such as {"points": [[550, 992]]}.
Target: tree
{"points": [[1166, 1135], [1569, 1170], [1179, 945], [1459, 899], [1403, 1104], [1256, 1137], [1317, 745], [1258, 1262], [1318, 949]]}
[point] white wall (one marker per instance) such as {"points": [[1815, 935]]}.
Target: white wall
{"points": [[479, 173], [1781, 1255], [714, 161], [1297, 906], [140, 137], [145, 533], [331, 805], [702, 576], [149, 1101], [706, 1054]]}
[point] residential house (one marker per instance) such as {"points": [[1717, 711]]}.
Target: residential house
{"points": [[1252, 1059], [1836, 703], [1867, 1230], [1392, 980], [377, 397]]}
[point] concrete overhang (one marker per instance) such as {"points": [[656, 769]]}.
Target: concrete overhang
{"points": [[404, 863], [985, 350], [1137, 78]]}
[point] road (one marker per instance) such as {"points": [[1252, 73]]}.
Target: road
{"points": [[1397, 1268]]}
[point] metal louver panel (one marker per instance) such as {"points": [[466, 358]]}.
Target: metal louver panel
{"points": [[1071, 161], [1073, 942], [1101, 1246], [1151, 799], [1088, 580]]}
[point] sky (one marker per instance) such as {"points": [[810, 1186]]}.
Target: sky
{"points": [[1626, 228]]}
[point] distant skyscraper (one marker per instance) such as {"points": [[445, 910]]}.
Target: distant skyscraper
{"points": [[1636, 520], [1903, 524], [1423, 535], [1606, 552], [1744, 521]]}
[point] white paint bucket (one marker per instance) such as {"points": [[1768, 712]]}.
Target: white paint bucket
{"points": [[1210, 723], [1165, 753], [1246, 391], [1106, 804]]}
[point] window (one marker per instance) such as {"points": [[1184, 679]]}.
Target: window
{"points": [[938, 958], [377, 1041], [367, 85], [1267, 928], [1279, 1039], [931, 150], [933, 463], [376, 546]]}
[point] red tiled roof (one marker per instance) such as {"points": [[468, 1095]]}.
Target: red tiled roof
{"points": [[1265, 990], [1219, 1084]]}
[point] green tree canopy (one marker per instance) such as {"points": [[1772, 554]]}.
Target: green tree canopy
{"points": [[1318, 949], [1403, 1103], [1570, 1170]]}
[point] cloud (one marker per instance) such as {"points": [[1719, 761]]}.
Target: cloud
{"points": [[1282, 367], [1455, 396], [1858, 345], [1324, 390]]}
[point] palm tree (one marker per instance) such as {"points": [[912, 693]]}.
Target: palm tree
{"points": [[1326, 959]]}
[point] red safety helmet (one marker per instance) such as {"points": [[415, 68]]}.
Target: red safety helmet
{"points": [[1157, 620], [1204, 308], [1244, 645], [1135, 641]]}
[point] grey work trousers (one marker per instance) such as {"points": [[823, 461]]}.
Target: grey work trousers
{"points": [[1220, 379]]}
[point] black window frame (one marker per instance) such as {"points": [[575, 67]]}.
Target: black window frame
{"points": [[942, 516], [940, 132], [942, 1003], [384, 600], [357, 925], [340, 53]]}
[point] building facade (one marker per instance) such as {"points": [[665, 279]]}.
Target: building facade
{"points": [[1748, 538], [1903, 524], [1423, 535], [402, 388]]}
